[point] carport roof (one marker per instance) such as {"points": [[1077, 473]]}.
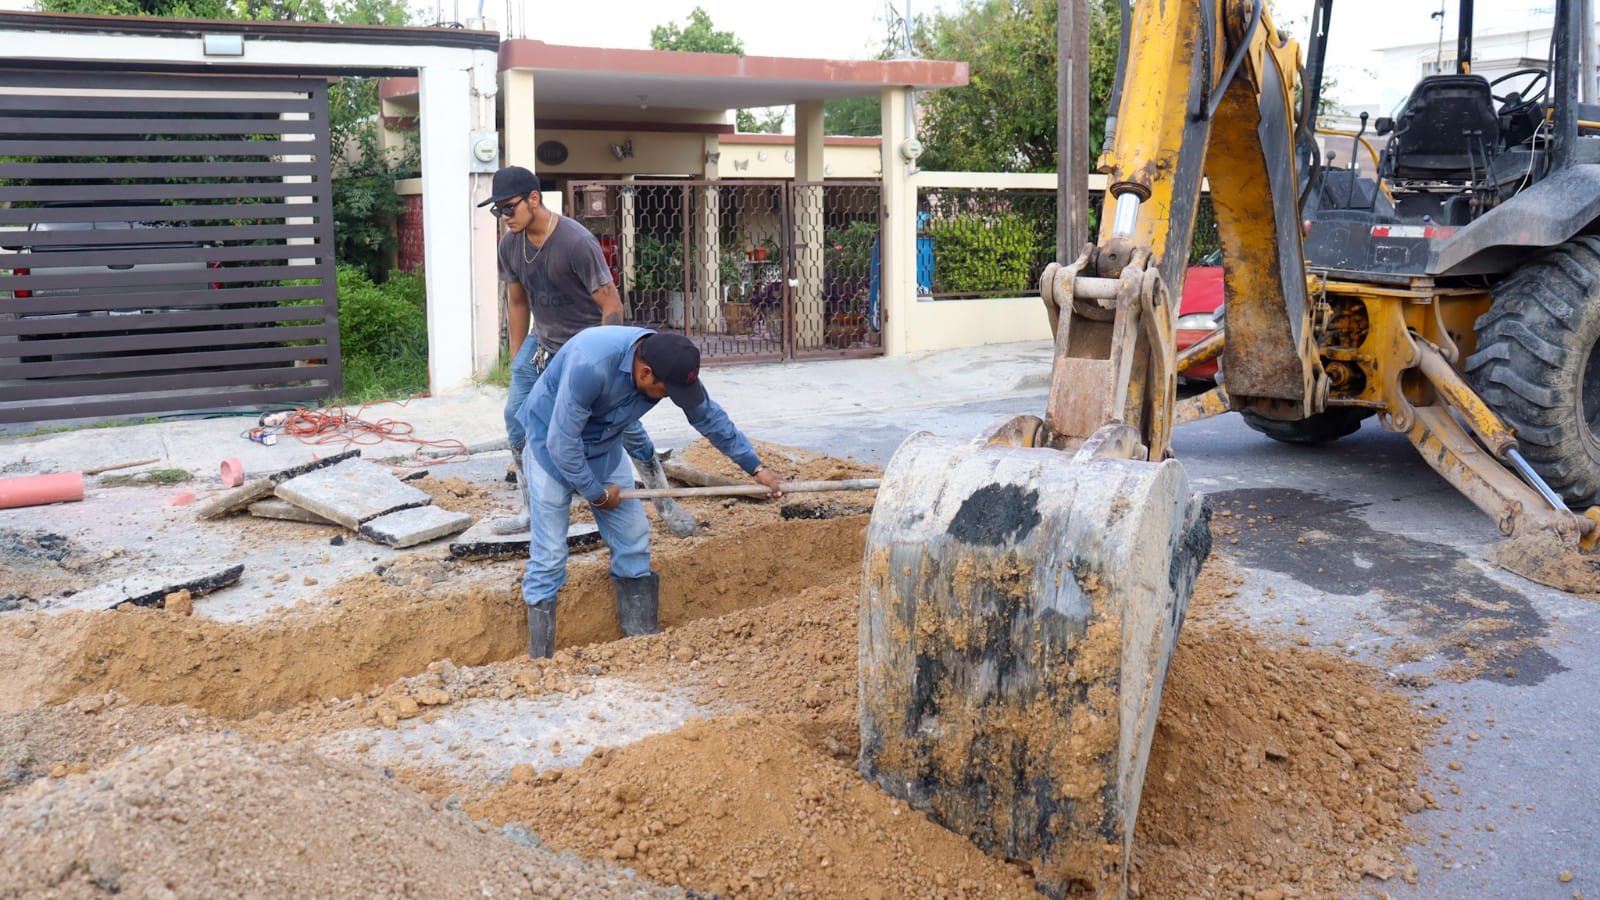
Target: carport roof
{"points": [[311, 32], [611, 77]]}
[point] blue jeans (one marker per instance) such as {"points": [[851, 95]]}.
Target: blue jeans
{"points": [[524, 375], [625, 530]]}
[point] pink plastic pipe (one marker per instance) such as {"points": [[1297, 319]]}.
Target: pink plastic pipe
{"points": [[37, 490]]}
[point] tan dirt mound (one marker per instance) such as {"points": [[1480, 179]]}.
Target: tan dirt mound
{"points": [[220, 816], [1274, 768], [791, 463], [381, 631], [741, 805]]}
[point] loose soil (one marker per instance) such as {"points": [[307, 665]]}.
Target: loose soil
{"points": [[173, 755]]}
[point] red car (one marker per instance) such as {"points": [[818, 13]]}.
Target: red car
{"points": [[1198, 310]]}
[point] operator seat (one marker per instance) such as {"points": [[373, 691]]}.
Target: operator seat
{"points": [[1447, 131]]}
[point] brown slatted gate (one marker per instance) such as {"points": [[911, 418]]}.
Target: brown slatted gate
{"points": [[168, 244]]}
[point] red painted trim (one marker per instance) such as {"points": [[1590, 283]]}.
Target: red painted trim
{"points": [[522, 53], [391, 88]]}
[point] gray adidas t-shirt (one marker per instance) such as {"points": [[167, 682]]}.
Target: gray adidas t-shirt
{"points": [[560, 279]]}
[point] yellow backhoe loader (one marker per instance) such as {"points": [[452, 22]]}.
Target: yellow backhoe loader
{"points": [[1022, 593]]}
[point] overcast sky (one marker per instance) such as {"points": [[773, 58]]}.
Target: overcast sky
{"points": [[853, 29]]}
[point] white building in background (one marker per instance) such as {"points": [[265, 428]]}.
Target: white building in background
{"points": [[1504, 40]]}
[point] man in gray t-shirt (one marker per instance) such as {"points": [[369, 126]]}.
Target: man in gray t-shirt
{"points": [[556, 275]]}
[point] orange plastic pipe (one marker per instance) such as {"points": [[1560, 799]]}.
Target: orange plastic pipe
{"points": [[37, 490]]}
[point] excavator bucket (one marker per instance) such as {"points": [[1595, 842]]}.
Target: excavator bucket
{"points": [[1020, 606]]}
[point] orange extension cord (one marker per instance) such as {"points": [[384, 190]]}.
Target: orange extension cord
{"points": [[335, 426]]}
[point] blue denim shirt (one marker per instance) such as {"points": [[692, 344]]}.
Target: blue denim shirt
{"points": [[577, 411]]}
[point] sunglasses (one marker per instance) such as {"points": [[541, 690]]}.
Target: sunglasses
{"points": [[508, 209]]}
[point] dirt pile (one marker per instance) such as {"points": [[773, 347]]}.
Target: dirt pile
{"points": [[89, 732], [458, 495], [744, 806], [1275, 769], [384, 627], [222, 816], [791, 463]]}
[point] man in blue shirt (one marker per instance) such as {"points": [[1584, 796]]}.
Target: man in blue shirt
{"points": [[556, 274], [602, 381]]}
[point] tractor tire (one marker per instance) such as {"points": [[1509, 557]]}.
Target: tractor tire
{"points": [[1538, 365], [1321, 428]]}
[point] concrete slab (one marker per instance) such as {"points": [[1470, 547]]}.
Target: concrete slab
{"points": [[485, 738], [254, 490], [275, 508], [480, 541], [351, 493], [150, 588], [417, 525]]}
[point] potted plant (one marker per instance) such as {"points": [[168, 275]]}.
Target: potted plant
{"points": [[735, 294], [848, 327], [770, 251], [658, 279]]}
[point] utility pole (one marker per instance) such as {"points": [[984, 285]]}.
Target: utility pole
{"points": [[1438, 53], [1072, 128]]}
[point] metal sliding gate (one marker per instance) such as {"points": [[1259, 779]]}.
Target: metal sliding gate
{"points": [[167, 243], [749, 270]]}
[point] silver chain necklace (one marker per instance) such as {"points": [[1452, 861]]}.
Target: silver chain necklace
{"points": [[548, 231]]}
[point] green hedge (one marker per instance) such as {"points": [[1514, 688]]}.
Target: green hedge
{"points": [[383, 335], [986, 254]]}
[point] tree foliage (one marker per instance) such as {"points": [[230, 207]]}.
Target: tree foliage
{"points": [[768, 120], [365, 205], [1005, 118], [697, 35], [172, 9], [857, 116]]}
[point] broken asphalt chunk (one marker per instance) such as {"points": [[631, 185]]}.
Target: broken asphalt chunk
{"points": [[480, 542], [150, 588]]}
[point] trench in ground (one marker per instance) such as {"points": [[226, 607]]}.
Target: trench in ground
{"points": [[374, 632]]}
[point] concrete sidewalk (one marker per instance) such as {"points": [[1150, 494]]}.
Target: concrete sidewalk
{"points": [[779, 402]]}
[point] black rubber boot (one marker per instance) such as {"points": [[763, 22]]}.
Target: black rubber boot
{"points": [[542, 630], [652, 475], [638, 601]]}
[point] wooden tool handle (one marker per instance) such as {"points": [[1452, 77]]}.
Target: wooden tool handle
{"points": [[753, 490]]}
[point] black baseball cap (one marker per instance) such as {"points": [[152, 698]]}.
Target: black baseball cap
{"points": [[512, 181], [675, 360]]}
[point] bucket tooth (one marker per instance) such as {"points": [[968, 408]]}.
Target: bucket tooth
{"points": [[1019, 612]]}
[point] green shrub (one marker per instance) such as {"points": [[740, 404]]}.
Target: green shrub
{"points": [[383, 335], [987, 254], [657, 265], [849, 249]]}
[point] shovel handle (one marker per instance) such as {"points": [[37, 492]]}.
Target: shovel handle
{"points": [[753, 490]]}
